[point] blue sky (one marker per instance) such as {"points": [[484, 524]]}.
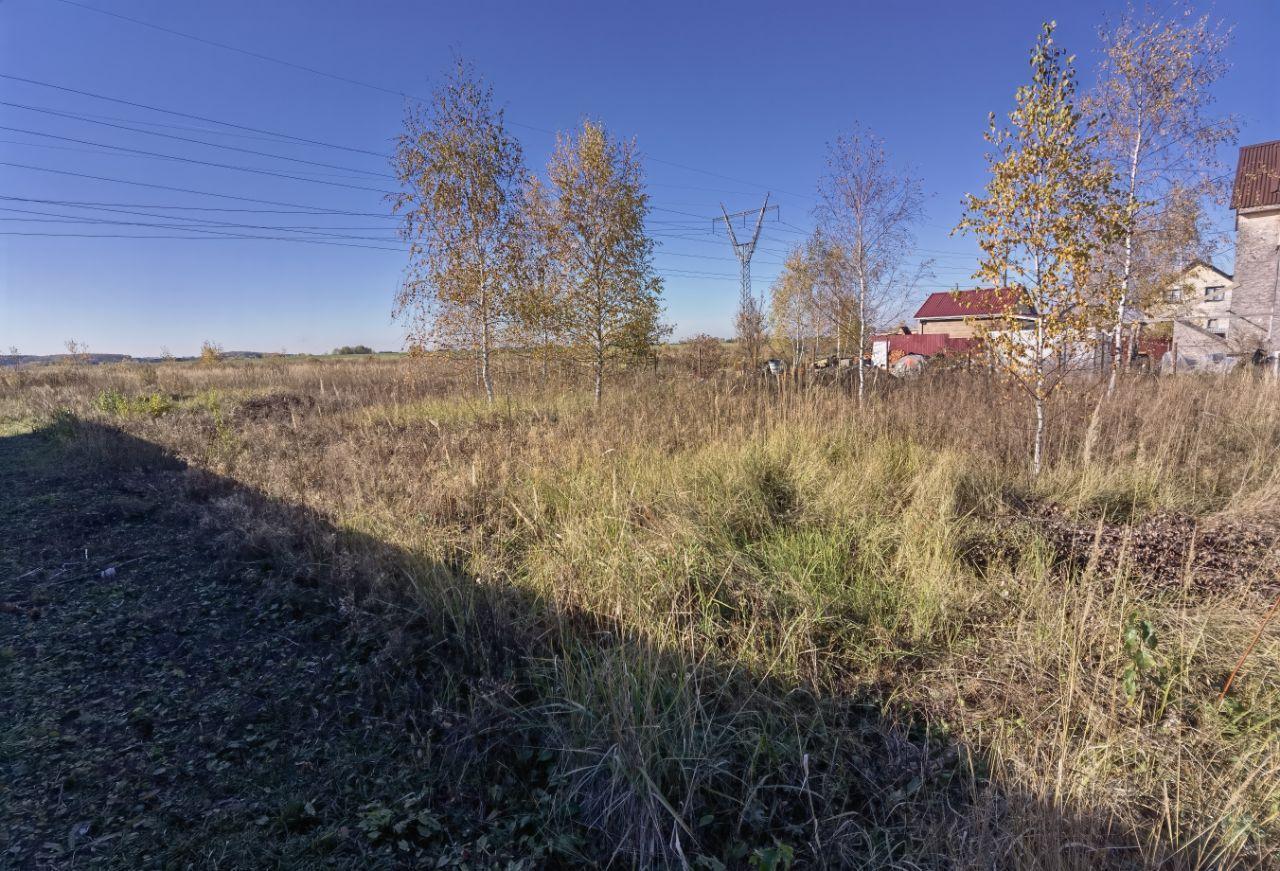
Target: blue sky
{"points": [[726, 100]]}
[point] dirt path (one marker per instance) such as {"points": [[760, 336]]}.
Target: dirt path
{"points": [[163, 714]]}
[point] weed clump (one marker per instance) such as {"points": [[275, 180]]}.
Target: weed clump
{"points": [[113, 402]]}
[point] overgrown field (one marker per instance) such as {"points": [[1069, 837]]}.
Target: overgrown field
{"points": [[714, 624]]}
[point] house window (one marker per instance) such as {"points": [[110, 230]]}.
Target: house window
{"points": [[1174, 295], [1216, 325], [1215, 294]]}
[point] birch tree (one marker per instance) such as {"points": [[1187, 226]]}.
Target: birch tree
{"points": [[834, 293], [791, 310], [1048, 206], [538, 303], [598, 209], [868, 208], [643, 331], [1154, 108], [461, 174]]}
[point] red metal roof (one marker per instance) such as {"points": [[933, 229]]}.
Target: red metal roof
{"points": [[977, 302], [925, 344], [1257, 176], [1153, 347]]}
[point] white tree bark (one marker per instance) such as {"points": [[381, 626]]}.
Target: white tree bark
{"points": [[862, 317], [1117, 342]]}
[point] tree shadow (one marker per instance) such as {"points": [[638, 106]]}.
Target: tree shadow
{"points": [[340, 700]]}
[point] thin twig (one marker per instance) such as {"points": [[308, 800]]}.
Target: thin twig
{"points": [[1240, 662]]}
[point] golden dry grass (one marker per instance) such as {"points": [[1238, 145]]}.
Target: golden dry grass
{"points": [[742, 622]]}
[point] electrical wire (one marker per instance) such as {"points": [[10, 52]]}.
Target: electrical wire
{"points": [[188, 115], [222, 238], [391, 91], [205, 226], [88, 120], [161, 156], [173, 188], [297, 211]]}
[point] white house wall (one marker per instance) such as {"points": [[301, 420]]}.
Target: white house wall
{"points": [[1192, 302], [1257, 276]]}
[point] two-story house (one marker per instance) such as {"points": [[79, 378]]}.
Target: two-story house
{"points": [[1198, 303], [1200, 296], [1221, 320]]}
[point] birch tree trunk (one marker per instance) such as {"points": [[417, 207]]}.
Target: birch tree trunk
{"points": [[1118, 338], [486, 376], [486, 337], [862, 312], [1038, 449], [599, 385], [1038, 395], [599, 349]]}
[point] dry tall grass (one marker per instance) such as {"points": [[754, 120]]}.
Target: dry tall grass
{"points": [[739, 624]]}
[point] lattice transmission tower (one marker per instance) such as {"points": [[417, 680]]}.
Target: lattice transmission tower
{"points": [[745, 249]]}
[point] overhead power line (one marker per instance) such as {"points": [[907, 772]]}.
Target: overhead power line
{"points": [[209, 225], [277, 135], [298, 211], [313, 230], [198, 224], [270, 135], [58, 217], [222, 238], [677, 212], [161, 156], [376, 87], [724, 258], [188, 128], [89, 120], [178, 114], [710, 240], [135, 209], [203, 232], [164, 187], [244, 51], [670, 273], [98, 150]]}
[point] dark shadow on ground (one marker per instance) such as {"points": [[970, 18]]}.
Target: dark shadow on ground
{"points": [[196, 675]]}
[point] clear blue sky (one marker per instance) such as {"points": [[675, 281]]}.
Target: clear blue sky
{"points": [[746, 94]]}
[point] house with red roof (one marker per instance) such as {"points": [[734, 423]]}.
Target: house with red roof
{"points": [[961, 314], [949, 323]]}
